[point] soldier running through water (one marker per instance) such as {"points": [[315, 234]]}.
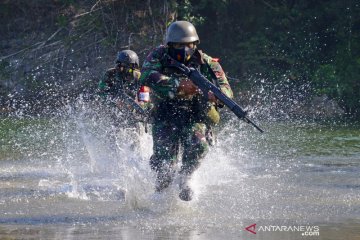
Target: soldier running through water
{"points": [[120, 87], [182, 116], [124, 78]]}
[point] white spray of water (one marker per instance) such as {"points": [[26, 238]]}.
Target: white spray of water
{"points": [[104, 162], [111, 165]]}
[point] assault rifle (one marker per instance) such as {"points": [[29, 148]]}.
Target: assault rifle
{"points": [[205, 86], [130, 102]]}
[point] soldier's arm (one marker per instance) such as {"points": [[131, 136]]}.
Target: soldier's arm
{"points": [[220, 75], [151, 75], [105, 84]]}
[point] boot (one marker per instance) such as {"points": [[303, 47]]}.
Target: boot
{"points": [[186, 194], [163, 180]]}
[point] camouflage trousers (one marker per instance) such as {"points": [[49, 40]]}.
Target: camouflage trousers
{"points": [[168, 139]]}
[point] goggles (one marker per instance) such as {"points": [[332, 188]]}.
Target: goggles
{"points": [[127, 68]]}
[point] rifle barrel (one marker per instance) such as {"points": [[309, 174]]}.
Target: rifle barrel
{"points": [[205, 85]]}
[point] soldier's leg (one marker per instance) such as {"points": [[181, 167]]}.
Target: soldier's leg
{"points": [[195, 148], [164, 158]]}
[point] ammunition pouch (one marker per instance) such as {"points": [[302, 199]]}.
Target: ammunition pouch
{"points": [[212, 116]]}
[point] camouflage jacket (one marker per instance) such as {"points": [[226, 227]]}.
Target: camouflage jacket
{"points": [[164, 82], [113, 82]]}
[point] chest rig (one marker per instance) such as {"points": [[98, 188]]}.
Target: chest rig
{"points": [[183, 111], [126, 83]]}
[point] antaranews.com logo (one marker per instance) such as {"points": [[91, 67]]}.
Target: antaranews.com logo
{"points": [[303, 230]]}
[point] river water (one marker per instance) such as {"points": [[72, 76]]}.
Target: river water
{"points": [[76, 177]]}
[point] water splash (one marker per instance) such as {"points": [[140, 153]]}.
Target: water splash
{"points": [[95, 170]]}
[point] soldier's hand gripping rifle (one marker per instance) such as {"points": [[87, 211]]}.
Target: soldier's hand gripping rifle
{"points": [[205, 86]]}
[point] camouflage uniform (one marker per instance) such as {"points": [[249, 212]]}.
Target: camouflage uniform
{"points": [[114, 81], [124, 78], [179, 122], [120, 88]]}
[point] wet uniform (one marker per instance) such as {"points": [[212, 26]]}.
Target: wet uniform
{"points": [[179, 121]]}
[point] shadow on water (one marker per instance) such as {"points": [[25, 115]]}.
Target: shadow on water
{"points": [[82, 175]]}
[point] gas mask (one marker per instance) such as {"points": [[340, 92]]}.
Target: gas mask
{"points": [[181, 54]]}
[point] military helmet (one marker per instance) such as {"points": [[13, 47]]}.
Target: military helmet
{"points": [[181, 32], [127, 57]]}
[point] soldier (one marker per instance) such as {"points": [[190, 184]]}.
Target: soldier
{"points": [[124, 76], [124, 79], [121, 87], [182, 115]]}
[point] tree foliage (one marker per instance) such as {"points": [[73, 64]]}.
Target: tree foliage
{"points": [[275, 46], [302, 42]]}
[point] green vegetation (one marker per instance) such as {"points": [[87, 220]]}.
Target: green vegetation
{"points": [[8, 130], [25, 137], [304, 42], [263, 44]]}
